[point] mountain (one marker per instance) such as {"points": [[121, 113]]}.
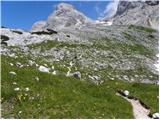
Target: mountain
{"points": [[144, 13], [70, 66], [64, 16]]}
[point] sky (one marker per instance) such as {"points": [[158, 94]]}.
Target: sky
{"points": [[23, 14]]}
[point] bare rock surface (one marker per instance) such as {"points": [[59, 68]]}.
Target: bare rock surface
{"points": [[145, 13]]}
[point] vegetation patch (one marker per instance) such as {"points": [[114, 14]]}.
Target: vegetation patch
{"points": [[58, 96], [141, 28]]}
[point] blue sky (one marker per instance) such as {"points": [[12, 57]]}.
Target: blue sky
{"points": [[22, 14]]}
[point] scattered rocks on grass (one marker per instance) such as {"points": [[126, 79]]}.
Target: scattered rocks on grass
{"points": [[18, 64], [95, 78], [12, 55], [30, 62]]}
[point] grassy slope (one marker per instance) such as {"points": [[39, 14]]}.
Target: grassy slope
{"points": [[67, 97]]}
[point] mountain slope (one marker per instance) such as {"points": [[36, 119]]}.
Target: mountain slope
{"points": [[74, 69]]}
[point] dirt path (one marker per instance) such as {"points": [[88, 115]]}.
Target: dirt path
{"points": [[139, 111]]}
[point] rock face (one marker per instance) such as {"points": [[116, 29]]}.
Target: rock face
{"points": [[66, 16], [144, 13]]}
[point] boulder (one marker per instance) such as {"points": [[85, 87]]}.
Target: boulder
{"points": [[43, 69], [45, 32], [77, 74], [4, 38], [155, 115], [126, 92], [17, 89], [18, 32], [12, 73], [30, 62]]}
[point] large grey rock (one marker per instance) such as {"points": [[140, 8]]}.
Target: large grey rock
{"points": [[66, 16], [143, 13]]}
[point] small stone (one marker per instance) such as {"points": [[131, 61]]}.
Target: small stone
{"points": [[17, 89], [37, 65], [71, 64], [19, 112], [136, 75], [77, 74], [112, 78], [12, 73], [26, 89], [30, 62], [36, 78], [18, 64], [45, 65], [14, 83], [126, 92], [43, 69], [95, 78], [155, 115], [21, 66], [11, 64], [12, 55], [52, 67], [54, 72]]}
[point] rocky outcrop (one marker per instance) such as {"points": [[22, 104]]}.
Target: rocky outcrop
{"points": [[45, 32], [64, 16], [143, 13], [38, 26]]}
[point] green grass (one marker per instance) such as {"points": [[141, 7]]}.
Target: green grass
{"points": [[128, 36], [46, 45], [103, 44], [57, 96], [141, 28], [107, 44]]}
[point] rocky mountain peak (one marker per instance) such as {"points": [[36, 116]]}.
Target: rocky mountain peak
{"points": [[64, 16], [64, 6]]}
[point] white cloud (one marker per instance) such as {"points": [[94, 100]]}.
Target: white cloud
{"points": [[110, 9], [98, 9]]}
